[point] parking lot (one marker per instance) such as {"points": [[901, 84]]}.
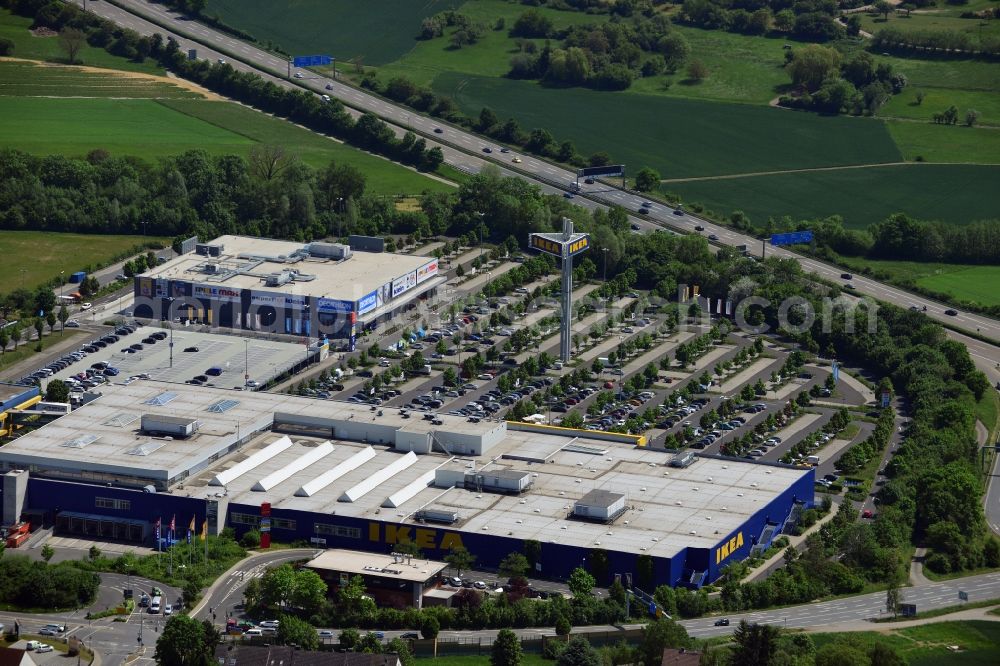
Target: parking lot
{"points": [[219, 360]]}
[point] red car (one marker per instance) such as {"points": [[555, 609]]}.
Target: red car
{"points": [[867, 513], [609, 385]]}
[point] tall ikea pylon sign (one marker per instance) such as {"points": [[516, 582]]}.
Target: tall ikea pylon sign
{"points": [[565, 246]]}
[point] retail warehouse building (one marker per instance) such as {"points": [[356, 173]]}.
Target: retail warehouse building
{"points": [[311, 289], [346, 476]]}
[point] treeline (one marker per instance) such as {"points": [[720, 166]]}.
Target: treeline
{"points": [[858, 455], [605, 56], [34, 584], [857, 86], [812, 20], [938, 42], [297, 105]]}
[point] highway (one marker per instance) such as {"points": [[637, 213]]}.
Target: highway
{"points": [[464, 150]]}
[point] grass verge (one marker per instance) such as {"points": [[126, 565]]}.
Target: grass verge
{"points": [[928, 645], [31, 258]]}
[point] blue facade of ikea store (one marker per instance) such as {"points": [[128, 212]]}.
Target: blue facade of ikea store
{"points": [[691, 567]]}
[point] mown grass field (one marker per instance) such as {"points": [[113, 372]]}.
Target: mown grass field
{"points": [[382, 175], [26, 45], [379, 31], [678, 137], [32, 79], [31, 258], [946, 143], [950, 193], [97, 110], [936, 100], [927, 645], [943, 16], [490, 56]]}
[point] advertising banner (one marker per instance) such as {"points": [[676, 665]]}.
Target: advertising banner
{"points": [[265, 298], [145, 286], [334, 305], [404, 284], [428, 270], [180, 289], [162, 290], [217, 293], [368, 303]]}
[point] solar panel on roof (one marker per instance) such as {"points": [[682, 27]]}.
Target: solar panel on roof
{"points": [[222, 406], [162, 398], [81, 441]]}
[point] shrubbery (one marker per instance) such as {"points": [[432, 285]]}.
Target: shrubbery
{"points": [[34, 584]]}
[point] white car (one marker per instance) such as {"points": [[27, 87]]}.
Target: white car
{"points": [[43, 648], [168, 610], [86, 306], [270, 624], [298, 75]]}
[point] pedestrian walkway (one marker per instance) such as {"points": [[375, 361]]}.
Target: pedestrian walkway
{"points": [[917, 577], [794, 541]]}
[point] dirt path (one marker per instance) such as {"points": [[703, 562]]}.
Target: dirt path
{"points": [[982, 434], [917, 577], [778, 172], [169, 79]]}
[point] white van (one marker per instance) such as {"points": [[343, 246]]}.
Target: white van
{"points": [[154, 605], [253, 632]]}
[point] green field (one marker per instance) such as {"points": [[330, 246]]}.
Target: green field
{"points": [[949, 193], [31, 258], [946, 143], [30, 79], [679, 137], [963, 281], [382, 175], [936, 100], [140, 127], [927, 645], [942, 17], [26, 45], [153, 118], [379, 31]]}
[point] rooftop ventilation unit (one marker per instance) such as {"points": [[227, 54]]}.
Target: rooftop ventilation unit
{"points": [[278, 279], [329, 250], [209, 249]]}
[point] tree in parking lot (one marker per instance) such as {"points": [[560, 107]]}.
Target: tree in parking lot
{"points": [[39, 325], [460, 559], [63, 317], [50, 319], [186, 642], [295, 631], [15, 334], [515, 565], [57, 391], [4, 341], [581, 583]]}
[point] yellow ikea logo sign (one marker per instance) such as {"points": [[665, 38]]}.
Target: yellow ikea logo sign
{"points": [[578, 246], [545, 245], [729, 547], [422, 537]]}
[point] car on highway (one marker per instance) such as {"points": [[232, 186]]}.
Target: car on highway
{"points": [[438, 130], [505, 150], [325, 633], [222, 61], [298, 75], [329, 86], [589, 181], [567, 195], [846, 276], [699, 227], [642, 211], [850, 287], [46, 631], [86, 306], [722, 622], [950, 312], [516, 160], [636, 227], [190, 349], [487, 149], [679, 210], [713, 237], [410, 636]]}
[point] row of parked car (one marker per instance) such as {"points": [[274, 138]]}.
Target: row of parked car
{"points": [[74, 357]]}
